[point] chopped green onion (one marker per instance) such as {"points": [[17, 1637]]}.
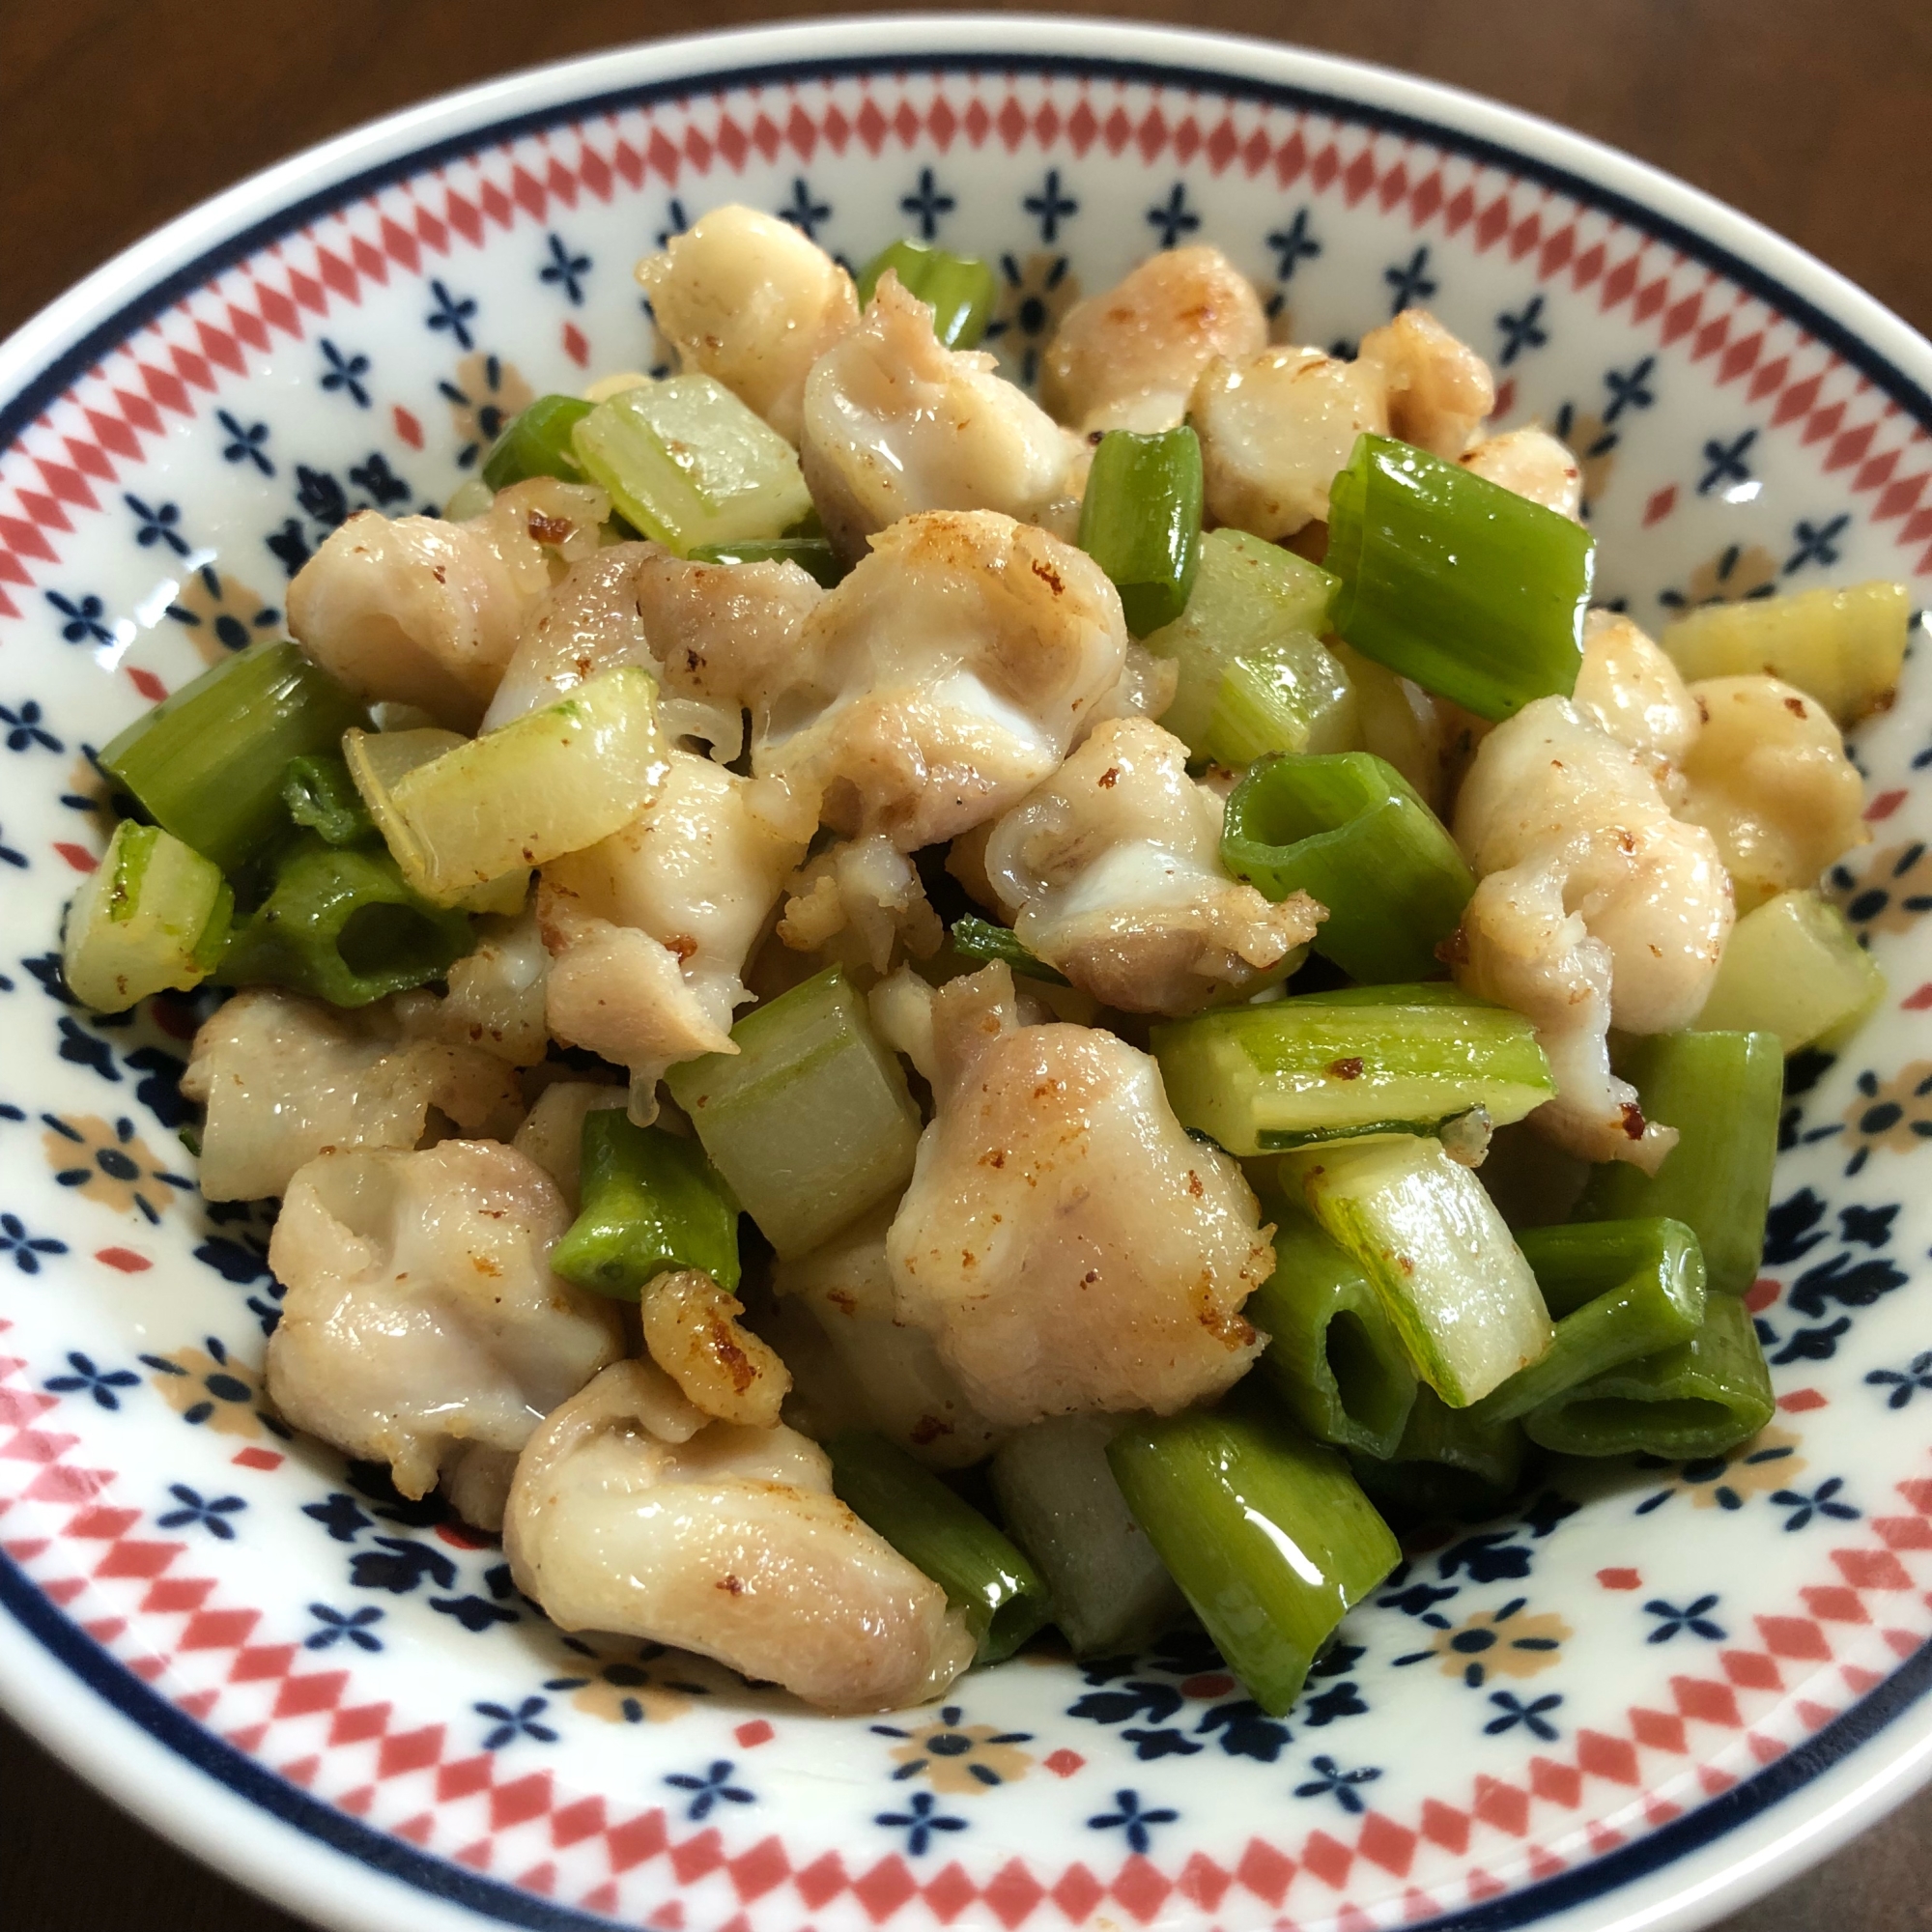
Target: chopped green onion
{"points": [[1700, 1398], [1619, 1289], [809, 1121], [1268, 1536], [1248, 597], [1110, 1593], [1450, 1464], [1722, 1092], [340, 923], [1844, 647], [1140, 520], [1300, 1071], [980, 939], [151, 918], [959, 289], [1350, 832], [980, 1570], [1333, 1356], [1793, 966], [813, 555], [461, 813], [651, 1204], [1429, 1240], [688, 463], [1292, 695], [1476, 593], [207, 763], [320, 794], [536, 442]]}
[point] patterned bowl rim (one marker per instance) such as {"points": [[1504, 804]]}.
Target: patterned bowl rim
{"points": [[209, 1798]]}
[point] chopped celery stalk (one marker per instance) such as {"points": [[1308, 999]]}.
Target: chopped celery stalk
{"points": [[1110, 1593], [1352, 832], [1699, 1398], [536, 442], [1845, 647], [1476, 593], [150, 918], [813, 555], [809, 1121], [1794, 967], [320, 795], [1248, 595], [549, 783], [651, 1204], [207, 762], [1268, 1536], [1723, 1092], [1288, 696], [341, 925], [1333, 1356], [687, 463], [1300, 1071], [1429, 1240], [1619, 1289], [959, 289], [1140, 520], [980, 939], [1451, 1462], [981, 1570]]}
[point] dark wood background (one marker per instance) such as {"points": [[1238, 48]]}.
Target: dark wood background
{"points": [[1809, 114]]}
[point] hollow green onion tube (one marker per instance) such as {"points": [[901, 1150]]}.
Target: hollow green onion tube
{"points": [[809, 1121], [1140, 520], [1333, 1356], [1700, 1398], [1291, 694], [1476, 593], [981, 1570], [980, 939], [1721, 1092], [341, 923], [536, 442], [1349, 830], [1619, 1291], [959, 289], [152, 917], [207, 763], [1269, 1537], [813, 555], [651, 1204], [320, 795], [1316, 1068], [1450, 1464]]}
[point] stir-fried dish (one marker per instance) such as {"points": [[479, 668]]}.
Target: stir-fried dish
{"points": [[885, 1013]]}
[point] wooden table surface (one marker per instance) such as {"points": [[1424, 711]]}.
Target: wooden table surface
{"points": [[114, 117]]}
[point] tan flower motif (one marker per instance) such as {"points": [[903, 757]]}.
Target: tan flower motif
{"points": [[1767, 1462], [1593, 444], [637, 1684], [1895, 1114], [1498, 1643], [1892, 887], [958, 1758], [109, 1162], [1736, 572], [90, 789], [220, 613], [1035, 293], [484, 395], [209, 1386]]}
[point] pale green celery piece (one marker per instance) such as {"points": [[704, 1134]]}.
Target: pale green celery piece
{"points": [[689, 463], [1290, 695], [1308, 1069], [462, 814], [1794, 967], [809, 1121], [1111, 1593], [1426, 1233], [151, 918], [1248, 597]]}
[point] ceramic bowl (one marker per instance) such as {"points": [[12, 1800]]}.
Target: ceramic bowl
{"points": [[1655, 1690]]}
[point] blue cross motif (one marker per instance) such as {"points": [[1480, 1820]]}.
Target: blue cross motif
{"points": [[1410, 282], [1331, 1781], [1821, 1501], [1131, 1819], [1531, 1715], [84, 618], [707, 1791], [1629, 389], [918, 1822], [510, 1726], [26, 1249], [927, 205], [1522, 331], [101, 1384], [159, 524], [1726, 462], [336, 1625], [245, 442], [1917, 1376], [1816, 542], [1050, 207], [1694, 1617], [1292, 245], [452, 313], [1173, 219], [212, 1513], [805, 213], [565, 269], [24, 727], [345, 372]]}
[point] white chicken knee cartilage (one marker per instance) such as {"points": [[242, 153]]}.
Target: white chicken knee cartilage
{"points": [[860, 902], [1627, 687], [692, 1333], [1038, 1241], [1533, 464], [1111, 873], [423, 1323], [633, 1511], [1437, 388], [496, 997]]}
